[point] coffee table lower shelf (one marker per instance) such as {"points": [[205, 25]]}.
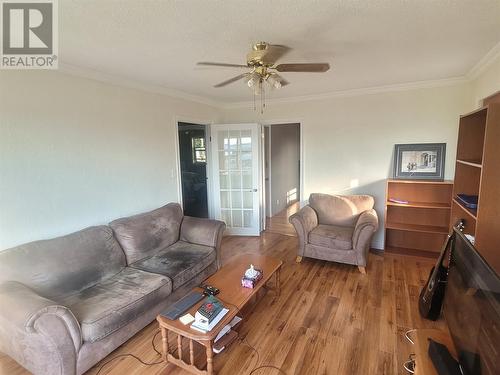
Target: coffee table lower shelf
{"points": [[178, 361]]}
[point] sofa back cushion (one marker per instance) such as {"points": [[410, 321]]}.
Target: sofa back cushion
{"points": [[142, 235], [64, 265], [342, 210]]}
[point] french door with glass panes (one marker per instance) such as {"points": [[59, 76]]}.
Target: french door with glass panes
{"points": [[236, 170]]}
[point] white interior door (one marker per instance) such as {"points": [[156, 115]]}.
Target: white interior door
{"points": [[236, 171]]}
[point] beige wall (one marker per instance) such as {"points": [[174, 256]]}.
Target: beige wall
{"points": [[349, 141], [487, 83], [75, 152]]}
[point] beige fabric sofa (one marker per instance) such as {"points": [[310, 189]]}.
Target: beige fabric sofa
{"points": [[336, 228], [67, 302]]}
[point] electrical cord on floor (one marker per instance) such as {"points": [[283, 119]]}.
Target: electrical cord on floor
{"points": [[135, 357], [244, 341]]}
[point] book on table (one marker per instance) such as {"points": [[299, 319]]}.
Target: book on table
{"points": [[209, 314], [210, 308]]}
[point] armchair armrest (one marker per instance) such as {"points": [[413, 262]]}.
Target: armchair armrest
{"points": [[37, 332], [366, 225], [203, 232], [304, 221]]}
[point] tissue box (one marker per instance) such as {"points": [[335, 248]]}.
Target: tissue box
{"points": [[247, 282]]}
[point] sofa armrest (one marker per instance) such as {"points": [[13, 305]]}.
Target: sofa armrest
{"points": [[304, 221], [365, 227], [203, 232], [38, 333]]}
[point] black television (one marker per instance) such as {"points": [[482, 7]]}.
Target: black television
{"points": [[472, 309]]}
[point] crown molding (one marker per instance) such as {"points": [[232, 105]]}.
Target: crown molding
{"points": [[125, 82], [359, 92], [472, 74], [483, 64]]}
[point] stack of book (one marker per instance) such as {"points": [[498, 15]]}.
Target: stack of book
{"points": [[209, 314], [226, 336]]}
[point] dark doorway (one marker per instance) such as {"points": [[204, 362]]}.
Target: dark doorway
{"points": [[193, 163]]}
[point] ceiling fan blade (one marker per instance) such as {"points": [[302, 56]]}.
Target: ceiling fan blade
{"points": [[234, 79], [206, 63], [310, 68], [274, 52]]}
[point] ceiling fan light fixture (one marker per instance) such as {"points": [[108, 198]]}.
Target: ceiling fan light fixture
{"points": [[253, 80], [258, 87], [262, 66], [274, 82]]}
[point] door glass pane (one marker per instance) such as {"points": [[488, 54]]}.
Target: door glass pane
{"points": [[247, 218], [247, 180], [224, 199], [236, 199], [247, 199], [237, 218], [246, 140], [224, 180], [223, 163], [235, 180], [234, 140], [246, 160]]}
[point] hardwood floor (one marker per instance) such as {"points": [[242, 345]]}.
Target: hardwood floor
{"points": [[279, 222], [329, 319]]}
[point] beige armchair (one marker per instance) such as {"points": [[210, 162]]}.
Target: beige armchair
{"points": [[336, 228]]}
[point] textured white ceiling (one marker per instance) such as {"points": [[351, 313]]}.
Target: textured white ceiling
{"points": [[368, 43]]}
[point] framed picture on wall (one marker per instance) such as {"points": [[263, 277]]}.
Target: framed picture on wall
{"points": [[421, 161]]}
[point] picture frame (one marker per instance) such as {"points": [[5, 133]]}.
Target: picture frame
{"points": [[419, 161]]}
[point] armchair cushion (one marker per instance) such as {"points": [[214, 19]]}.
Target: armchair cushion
{"points": [[332, 236], [111, 304], [342, 210], [180, 262]]}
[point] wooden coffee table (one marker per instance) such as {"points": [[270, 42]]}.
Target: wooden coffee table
{"points": [[234, 297]]}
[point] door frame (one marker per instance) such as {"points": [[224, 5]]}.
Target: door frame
{"points": [[270, 123], [208, 145]]}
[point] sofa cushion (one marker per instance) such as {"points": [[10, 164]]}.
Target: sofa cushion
{"points": [[342, 210], [116, 301], [180, 262], [64, 265], [332, 236], [143, 235]]}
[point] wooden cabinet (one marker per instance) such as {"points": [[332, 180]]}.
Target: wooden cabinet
{"points": [[477, 172], [420, 226]]}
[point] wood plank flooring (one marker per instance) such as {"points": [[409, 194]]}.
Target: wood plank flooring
{"points": [[329, 319]]}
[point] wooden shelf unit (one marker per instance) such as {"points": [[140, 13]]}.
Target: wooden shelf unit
{"points": [[477, 172], [419, 227]]}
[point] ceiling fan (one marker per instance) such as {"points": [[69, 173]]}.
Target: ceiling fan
{"points": [[261, 62]]}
